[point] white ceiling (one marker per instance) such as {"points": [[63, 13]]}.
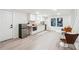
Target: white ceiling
{"points": [[44, 11]]}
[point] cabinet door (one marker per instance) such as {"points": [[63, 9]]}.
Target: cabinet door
{"points": [[5, 25]]}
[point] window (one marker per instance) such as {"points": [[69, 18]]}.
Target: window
{"points": [[53, 21], [57, 22]]}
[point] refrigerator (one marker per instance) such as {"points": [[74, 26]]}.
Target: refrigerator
{"points": [[24, 30]]}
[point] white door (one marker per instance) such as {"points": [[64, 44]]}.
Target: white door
{"points": [[5, 25]]}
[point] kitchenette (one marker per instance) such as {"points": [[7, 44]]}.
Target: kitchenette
{"points": [[30, 28]]}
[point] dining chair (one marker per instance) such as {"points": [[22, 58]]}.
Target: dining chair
{"points": [[69, 39]]}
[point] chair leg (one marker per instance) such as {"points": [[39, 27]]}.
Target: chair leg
{"points": [[61, 45], [72, 46]]}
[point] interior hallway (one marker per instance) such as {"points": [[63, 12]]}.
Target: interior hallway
{"points": [[47, 40]]}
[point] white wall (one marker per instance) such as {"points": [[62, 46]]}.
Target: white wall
{"points": [[73, 16], [72, 19], [76, 23], [6, 19], [66, 22], [18, 18], [5, 22]]}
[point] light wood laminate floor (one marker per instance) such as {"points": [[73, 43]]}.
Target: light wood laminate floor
{"points": [[46, 40]]}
